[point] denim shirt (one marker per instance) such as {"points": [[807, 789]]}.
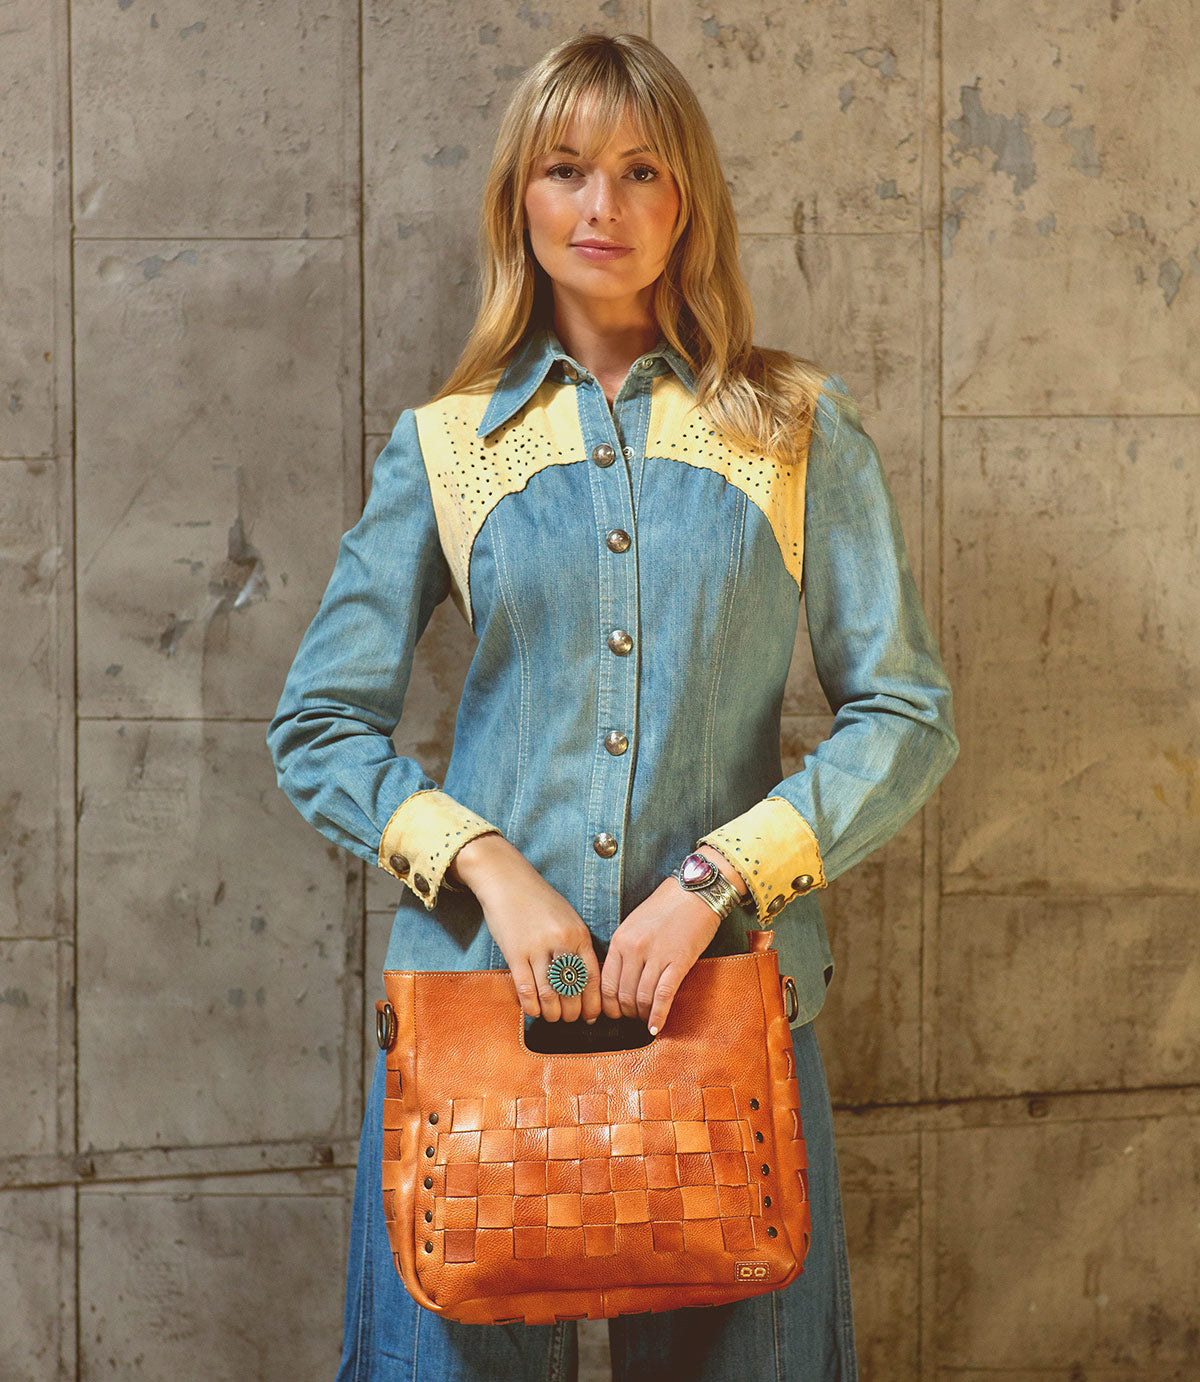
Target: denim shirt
{"points": [[634, 585]]}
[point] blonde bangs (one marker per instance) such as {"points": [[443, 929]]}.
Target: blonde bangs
{"points": [[604, 96]]}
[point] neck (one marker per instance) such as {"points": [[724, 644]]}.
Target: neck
{"points": [[604, 343]]}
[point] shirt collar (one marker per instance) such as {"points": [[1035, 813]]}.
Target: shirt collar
{"points": [[533, 359]]}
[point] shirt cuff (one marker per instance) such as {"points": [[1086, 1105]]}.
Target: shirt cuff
{"points": [[775, 850], [423, 834]]}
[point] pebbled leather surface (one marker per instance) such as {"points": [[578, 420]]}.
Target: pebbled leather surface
{"points": [[598, 1183]]}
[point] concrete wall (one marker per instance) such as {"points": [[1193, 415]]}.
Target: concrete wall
{"points": [[236, 240]]}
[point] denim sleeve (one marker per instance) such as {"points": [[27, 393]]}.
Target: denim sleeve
{"points": [[893, 736], [330, 738]]}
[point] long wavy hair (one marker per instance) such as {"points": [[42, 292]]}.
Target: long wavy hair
{"points": [[758, 399]]}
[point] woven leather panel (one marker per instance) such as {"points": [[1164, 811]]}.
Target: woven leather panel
{"points": [[684, 1191]]}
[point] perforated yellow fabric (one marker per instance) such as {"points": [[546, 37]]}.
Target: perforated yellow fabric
{"points": [[469, 475], [776, 852], [422, 836], [680, 431]]}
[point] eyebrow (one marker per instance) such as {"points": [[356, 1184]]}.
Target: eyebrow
{"points": [[629, 153]]}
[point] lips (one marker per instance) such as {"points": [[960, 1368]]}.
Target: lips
{"points": [[602, 251]]}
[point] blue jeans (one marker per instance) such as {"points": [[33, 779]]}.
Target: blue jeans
{"points": [[803, 1333]]}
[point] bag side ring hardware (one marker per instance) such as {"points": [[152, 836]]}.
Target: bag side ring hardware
{"points": [[791, 1000], [385, 1024]]}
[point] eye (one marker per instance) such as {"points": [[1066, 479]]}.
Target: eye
{"points": [[634, 172]]}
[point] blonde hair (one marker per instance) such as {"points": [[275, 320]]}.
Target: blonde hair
{"points": [[758, 399]]}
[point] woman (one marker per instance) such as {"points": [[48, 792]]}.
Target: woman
{"points": [[624, 497]]}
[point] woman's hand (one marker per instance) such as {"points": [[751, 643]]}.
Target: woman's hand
{"points": [[652, 950], [531, 922]]}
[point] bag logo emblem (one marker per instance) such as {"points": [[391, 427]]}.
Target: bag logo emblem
{"points": [[752, 1271]]}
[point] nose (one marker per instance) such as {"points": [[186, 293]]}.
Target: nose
{"points": [[603, 196]]}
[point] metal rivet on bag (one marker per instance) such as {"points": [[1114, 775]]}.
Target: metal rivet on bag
{"points": [[433, 1117], [767, 1201], [420, 882], [429, 1151], [428, 1247], [429, 1216], [758, 1137], [772, 1233], [753, 1103], [428, 1182], [766, 1170]]}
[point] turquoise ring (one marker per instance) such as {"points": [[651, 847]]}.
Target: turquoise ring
{"points": [[567, 974]]}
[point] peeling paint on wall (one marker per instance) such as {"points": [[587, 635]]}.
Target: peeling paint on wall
{"points": [[978, 130], [446, 158], [241, 579], [168, 640], [536, 19], [1169, 277], [883, 60]]}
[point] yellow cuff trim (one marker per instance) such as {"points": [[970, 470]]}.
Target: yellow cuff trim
{"points": [[776, 852], [423, 835]]}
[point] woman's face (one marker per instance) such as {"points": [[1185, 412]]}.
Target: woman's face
{"points": [[622, 195]]}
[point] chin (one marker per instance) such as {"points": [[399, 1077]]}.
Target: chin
{"points": [[598, 287]]}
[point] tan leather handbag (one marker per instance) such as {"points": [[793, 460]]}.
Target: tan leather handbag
{"points": [[521, 1186]]}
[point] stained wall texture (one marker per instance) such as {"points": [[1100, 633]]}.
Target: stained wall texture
{"points": [[236, 241]]}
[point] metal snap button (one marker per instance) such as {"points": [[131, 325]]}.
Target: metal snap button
{"points": [[618, 540], [620, 642], [803, 881], [615, 742], [421, 883], [604, 844], [571, 372], [647, 364], [604, 454], [774, 905], [399, 863], [627, 452]]}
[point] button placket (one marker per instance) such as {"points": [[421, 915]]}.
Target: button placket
{"points": [[639, 404], [617, 653], [636, 397]]}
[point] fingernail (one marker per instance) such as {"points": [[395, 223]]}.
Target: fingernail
{"points": [[653, 1031], [590, 1021]]}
